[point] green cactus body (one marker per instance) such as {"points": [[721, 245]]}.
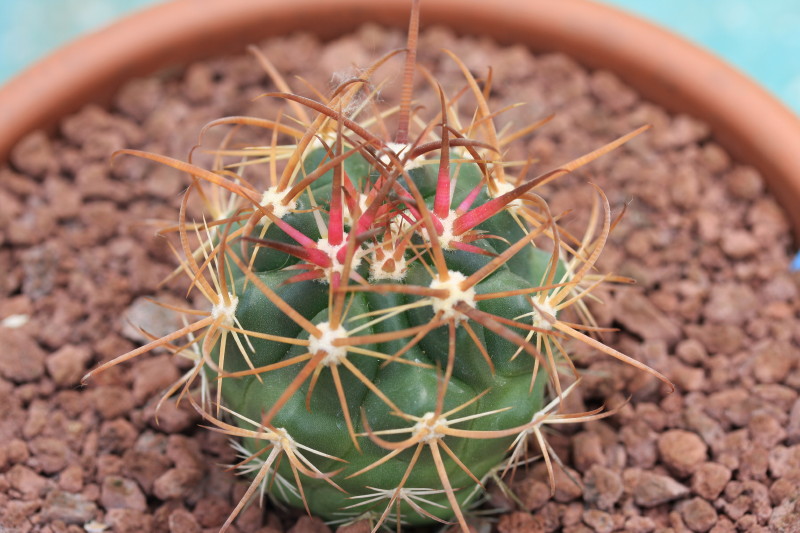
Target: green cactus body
{"points": [[384, 329], [508, 387]]}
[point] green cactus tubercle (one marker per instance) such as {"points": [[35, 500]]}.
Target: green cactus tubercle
{"points": [[384, 329]]}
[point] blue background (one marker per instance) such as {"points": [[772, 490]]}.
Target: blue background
{"points": [[760, 37]]}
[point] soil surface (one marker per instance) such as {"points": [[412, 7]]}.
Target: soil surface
{"points": [[715, 309]]}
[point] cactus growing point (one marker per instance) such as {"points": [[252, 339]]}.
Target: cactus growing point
{"points": [[384, 320]]}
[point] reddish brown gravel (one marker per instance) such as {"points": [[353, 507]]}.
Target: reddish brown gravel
{"points": [[715, 309]]}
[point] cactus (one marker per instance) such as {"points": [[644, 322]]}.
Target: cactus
{"points": [[384, 326]]}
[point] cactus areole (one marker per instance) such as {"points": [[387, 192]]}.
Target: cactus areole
{"points": [[385, 326]]}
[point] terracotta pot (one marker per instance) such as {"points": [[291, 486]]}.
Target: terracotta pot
{"points": [[746, 120]]}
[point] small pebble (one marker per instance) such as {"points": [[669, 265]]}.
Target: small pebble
{"points": [[698, 514], [654, 489], [121, 493], [710, 479], [682, 451]]}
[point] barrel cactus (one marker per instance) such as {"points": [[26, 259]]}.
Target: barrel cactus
{"points": [[384, 326]]}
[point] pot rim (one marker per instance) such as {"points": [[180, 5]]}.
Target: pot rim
{"points": [[663, 67]]}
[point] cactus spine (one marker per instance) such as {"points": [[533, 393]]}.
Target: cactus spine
{"points": [[383, 327]]}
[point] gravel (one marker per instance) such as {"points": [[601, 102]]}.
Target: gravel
{"points": [[715, 309]]}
